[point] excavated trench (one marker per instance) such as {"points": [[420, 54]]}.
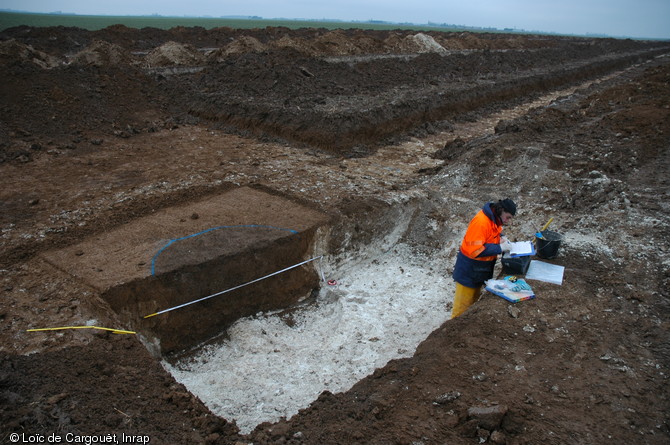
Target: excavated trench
{"points": [[360, 296], [334, 121], [382, 296]]}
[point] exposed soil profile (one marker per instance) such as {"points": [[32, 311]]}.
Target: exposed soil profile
{"points": [[371, 150]]}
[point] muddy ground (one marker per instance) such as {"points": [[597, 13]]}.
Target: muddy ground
{"points": [[101, 128]]}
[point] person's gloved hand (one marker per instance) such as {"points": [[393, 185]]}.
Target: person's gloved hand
{"points": [[505, 245]]}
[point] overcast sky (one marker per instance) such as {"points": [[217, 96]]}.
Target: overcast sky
{"points": [[617, 18]]}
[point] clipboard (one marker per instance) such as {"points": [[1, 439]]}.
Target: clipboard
{"points": [[525, 248]]}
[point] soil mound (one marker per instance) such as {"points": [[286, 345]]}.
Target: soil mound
{"points": [[334, 43], [13, 53], [101, 53], [288, 42], [241, 45], [174, 53]]}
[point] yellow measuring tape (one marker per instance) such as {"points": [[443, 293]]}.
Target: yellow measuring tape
{"points": [[113, 331]]}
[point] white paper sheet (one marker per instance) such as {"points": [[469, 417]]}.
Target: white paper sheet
{"points": [[541, 271], [521, 248]]}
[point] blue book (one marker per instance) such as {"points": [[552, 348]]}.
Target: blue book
{"points": [[511, 288]]}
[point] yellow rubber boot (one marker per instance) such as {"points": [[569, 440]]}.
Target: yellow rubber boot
{"points": [[464, 298]]}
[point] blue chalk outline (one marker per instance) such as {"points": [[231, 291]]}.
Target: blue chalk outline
{"points": [[172, 241]]}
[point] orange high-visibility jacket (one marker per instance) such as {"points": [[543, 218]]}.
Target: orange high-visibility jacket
{"points": [[482, 230]]}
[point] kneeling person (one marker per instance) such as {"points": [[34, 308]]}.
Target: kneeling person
{"points": [[482, 243]]}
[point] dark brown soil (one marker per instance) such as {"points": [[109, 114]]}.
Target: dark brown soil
{"points": [[98, 129]]}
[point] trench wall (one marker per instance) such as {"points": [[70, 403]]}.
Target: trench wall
{"points": [[218, 245], [186, 327]]}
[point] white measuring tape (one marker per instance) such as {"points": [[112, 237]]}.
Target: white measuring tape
{"points": [[236, 287]]}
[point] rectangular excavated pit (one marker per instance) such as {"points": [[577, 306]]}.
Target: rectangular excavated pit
{"points": [[188, 252]]}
